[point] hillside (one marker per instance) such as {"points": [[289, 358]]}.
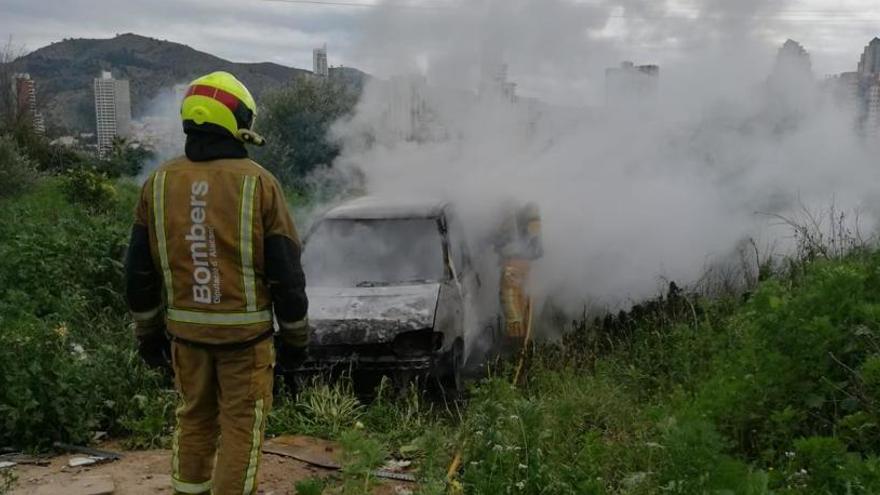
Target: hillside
{"points": [[64, 72]]}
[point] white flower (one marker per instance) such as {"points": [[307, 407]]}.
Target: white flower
{"points": [[523, 466], [520, 484]]}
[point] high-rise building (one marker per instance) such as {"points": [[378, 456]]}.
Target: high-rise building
{"points": [[868, 92], [845, 90], [870, 61], [872, 114], [319, 62], [24, 90], [793, 61], [112, 110], [631, 85], [494, 81], [407, 106]]}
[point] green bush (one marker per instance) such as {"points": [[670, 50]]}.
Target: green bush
{"points": [[47, 158], [126, 159], [91, 189], [17, 172], [64, 327]]}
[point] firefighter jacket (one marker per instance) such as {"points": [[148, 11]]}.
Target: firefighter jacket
{"points": [[215, 248]]}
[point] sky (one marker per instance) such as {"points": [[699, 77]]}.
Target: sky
{"points": [[589, 35]]}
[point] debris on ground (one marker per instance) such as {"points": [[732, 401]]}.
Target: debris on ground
{"points": [[20, 458], [91, 485], [98, 453], [84, 461], [397, 466], [325, 454]]}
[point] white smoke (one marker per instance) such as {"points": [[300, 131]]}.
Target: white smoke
{"points": [[159, 127], [659, 189]]}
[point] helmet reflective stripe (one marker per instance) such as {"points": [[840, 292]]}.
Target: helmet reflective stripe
{"points": [[159, 220], [246, 241], [244, 117], [219, 318]]}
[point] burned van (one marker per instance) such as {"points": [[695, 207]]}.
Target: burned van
{"points": [[388, 284]]}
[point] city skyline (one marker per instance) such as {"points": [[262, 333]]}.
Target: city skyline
{"points": [[668, 33]]}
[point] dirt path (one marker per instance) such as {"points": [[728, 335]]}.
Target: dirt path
{"points": [[148, 472]]}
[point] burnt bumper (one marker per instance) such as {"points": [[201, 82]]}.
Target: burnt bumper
{"points": [[377, 358]]}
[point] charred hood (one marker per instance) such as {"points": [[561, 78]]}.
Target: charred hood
{"points": [[370, 315]]}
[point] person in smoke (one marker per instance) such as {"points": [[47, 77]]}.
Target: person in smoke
{"points": [[517, 243], [213, 252]]}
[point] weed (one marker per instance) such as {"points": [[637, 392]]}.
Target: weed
{"points": [[8, 478], [310, 486], [322, 409], [361, 455]]}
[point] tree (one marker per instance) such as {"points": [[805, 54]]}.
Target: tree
{"points": [[17, 172], [9, 115], [295, 122], [125, 158]]}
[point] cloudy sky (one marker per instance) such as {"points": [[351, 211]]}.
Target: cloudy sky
{"points": [[545, 41]]}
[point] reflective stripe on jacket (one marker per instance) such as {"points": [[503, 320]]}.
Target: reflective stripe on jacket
{"points": [[208, 224]]}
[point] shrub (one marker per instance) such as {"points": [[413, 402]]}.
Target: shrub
{"points": [[17, 172], [91, 189], [64, 325]]}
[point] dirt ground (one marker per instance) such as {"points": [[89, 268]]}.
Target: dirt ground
{"points": [[148, 472]]}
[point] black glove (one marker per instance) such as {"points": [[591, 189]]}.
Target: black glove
{"points": [[154, 346], [290, 358], [155, 350], [292, 344]]}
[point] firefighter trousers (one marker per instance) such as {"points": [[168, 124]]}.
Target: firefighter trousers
{"points": [[225, 396], [514, 300]]}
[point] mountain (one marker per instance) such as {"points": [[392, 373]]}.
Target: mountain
{"points": [[64, 72]]}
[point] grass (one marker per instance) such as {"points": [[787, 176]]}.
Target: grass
{"points": [[774, 391]]}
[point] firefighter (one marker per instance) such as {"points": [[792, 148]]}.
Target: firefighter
{"points": [[213, 252], [518, 244]]}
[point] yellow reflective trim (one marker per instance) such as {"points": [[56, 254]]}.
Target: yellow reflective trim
{"points": [[195, 488], [220, 319], [145, 315], [246, 241], [159, 221], [297, 325], [175, 440], [250, 476]]}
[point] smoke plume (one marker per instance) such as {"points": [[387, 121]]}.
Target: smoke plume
{"points": [[657, 187]]}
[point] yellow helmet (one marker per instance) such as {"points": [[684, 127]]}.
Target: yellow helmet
{"points": [[221, 100]]}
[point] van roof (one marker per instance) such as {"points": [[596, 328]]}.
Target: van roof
{"points": [[374, 208]]}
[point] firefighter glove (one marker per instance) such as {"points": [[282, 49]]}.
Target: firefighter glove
{"points": [[292, 344], [155, 350], [154, 346], [294, 334]]}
